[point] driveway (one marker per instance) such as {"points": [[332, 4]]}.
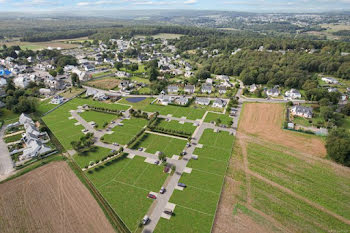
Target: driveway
{"points": [[6, 165]]}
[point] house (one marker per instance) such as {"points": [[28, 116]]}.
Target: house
{"points": [[188, 74], [124, 84], [222, 90], [57, 100], [45, 91], [89, 67], [122, 74], [81, 74], [21, 81], [202, 101], [24, 118], [100, 96], [252, 88], [332, 89], [223, 77], [54, 84], [189, 89], [3, 82], [209, 81], [219, 103], [182, 100], [274, 92], [173, 89], [90, 92], [164, 99], [329, 80], [293, 94], [206, 88], [301, 111]]}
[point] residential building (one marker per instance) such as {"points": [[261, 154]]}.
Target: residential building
{"points": [[202, 101], [182, 100], [252, 88], [293, 94], [274, 92], [223, 77], [222, 90], [219, 103], [57, 100], [189, 89], [21, 81], [206, 88], [301, 111], [330, 80], [122, 74], [173, 89]]}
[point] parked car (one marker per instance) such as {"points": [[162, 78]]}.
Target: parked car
{"points": [[181, 185], [166, 169], [170, 212], [183, 153], [152, 196], [115, 144], [145, 220], [140, 149], [156, 162], [162, 190]]}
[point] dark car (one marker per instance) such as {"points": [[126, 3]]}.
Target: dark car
{"points": [[162, 190], [166, 169], [182, 185], [151, 196]]}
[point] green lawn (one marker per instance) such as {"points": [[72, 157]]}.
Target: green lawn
{"points": [[175, 125], [315, 181], [8, 116], [144, 91], [198, 201], [125, 185], [85, 159], [100, 118], [140, 80], [45, 106], [175, 111], [224, 118], [153, 143], [13, 138], [123, 134]]}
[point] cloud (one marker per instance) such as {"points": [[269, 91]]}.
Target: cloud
{"points": [[190, 1], [94, 3]]}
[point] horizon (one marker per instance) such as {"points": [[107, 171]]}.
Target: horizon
{"points": [[249, 6]]}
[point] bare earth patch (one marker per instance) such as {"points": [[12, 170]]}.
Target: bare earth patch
{"points": [[50, 199], [265, 121], [105, 83]]}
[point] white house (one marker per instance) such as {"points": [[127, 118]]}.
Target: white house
{"points": [[274, 92], [164, 99], [182, 100], [122, 74], [301, 111], [173, 89], [189, 89], [209, 81], [206, 88], [293, 94], [252, 88], [330, 80], [222, 90], [21, 81], [81, 74], [57, 100], [202, 101], [219, 103], [3, 82]]}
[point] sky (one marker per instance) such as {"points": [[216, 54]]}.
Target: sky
{"points": [[230, 5]]}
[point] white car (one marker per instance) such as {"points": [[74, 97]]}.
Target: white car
{"points": [[162, 190], [145, 220]]}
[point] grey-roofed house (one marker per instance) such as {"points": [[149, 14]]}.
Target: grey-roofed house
{"points": [[219, 103], [202, 101], [189, 89], [173, 89], [222, 90], [182, 100], [301, 111], [206, 88], [274, 92]]}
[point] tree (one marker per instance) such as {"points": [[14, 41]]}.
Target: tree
{"points": [[153, 74], [338, 146], [74, 78], [202, 74], [346, 109], [60, 70], [53, 73], [118, 65], [161, 156]]}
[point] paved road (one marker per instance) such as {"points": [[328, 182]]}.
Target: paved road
{"points": [[178, 119], [6, 165]]}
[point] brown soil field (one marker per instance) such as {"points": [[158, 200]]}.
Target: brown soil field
{"points": [[265, 120], [50, 199], [105, 83]]}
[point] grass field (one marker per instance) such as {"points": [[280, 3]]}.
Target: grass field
{"points": [[8, 116], [65, 129], [198, 201], [140, 80], [315, 181], [153, 143], [100, 118], [175, 111], [125, 185], [104, 73], [85, 159], [139, 105], [13, 138], [212, 117], [175, 125], [40, 45], [71, 92], [123, 134], [45, 106]]}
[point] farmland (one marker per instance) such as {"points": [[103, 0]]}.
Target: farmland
{"points": [[126, 183], [124, 133], [168, 145], [269, 181], [50, 199], [198, 201], [108, 83]]}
